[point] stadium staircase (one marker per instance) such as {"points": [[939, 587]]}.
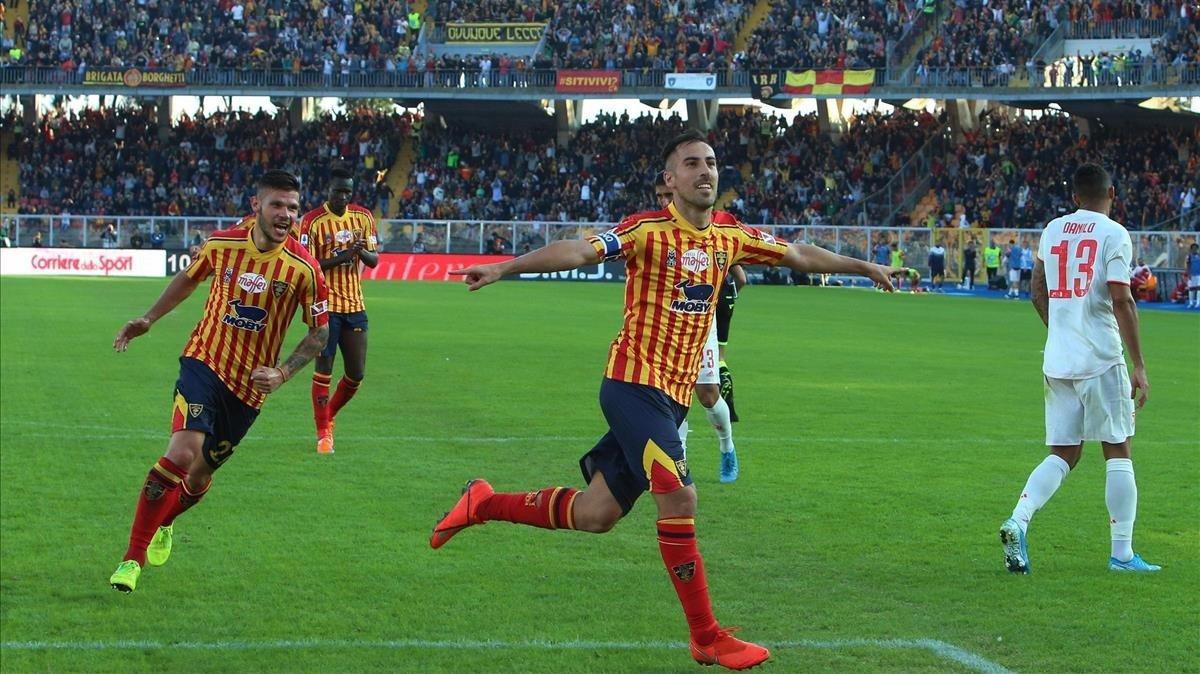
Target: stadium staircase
{"points": [[9, 172], [901, 62], [11, 15], [401, 169], [753, 20]]}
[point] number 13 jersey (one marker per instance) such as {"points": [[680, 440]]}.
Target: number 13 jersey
{"points": [[1083, 253]]}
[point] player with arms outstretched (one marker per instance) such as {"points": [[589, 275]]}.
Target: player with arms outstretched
{"points": [[1080, 288], [708, 381], [339, 235], [675, 260], [260, 278]]}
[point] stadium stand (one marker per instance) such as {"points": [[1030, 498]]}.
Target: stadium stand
{"points": [[804, 34], [118, 161]]}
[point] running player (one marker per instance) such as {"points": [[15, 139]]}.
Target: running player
{"points": [[339, 235], [1083, 297], [708, 381], [675, 259], [260, 277]]}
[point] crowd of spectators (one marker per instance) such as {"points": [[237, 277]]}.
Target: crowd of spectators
{"points": [[282, 34], [331, 41], [835, 34], [1012, 172], [663, 35], [118, 161], [799, 175]]}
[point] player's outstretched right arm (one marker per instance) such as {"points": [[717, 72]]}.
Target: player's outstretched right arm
{"points": [[177, 291], [558, 256]]}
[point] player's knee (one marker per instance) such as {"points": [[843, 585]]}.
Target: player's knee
{"points": [[596, 518], [679, 503], [708, 394], [1069, 454]]}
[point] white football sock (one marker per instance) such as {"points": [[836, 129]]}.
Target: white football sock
{"points": [[1120, 495], [1193, 297], [1042, 483], [718, 416], [683, 431]]}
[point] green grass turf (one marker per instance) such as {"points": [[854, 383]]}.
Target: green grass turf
{"points": [[883, 440]]}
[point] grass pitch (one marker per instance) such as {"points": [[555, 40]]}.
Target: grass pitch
{"points": [[883, 440]]}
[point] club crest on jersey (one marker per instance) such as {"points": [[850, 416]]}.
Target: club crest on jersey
{"points": [[227, 276], [681, 467], [304, 239], [671, 258], [697, 299], [696, 261], [279, 288], [722, 259], [195, 410], [245, 317], [252, 283]]}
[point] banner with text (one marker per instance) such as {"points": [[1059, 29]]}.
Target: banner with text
{"points": [[765, 84], [587, 81], [691, 81], [494, 33], [425, 266], [133, 78], [81, 262]]}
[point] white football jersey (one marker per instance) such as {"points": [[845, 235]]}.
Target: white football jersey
{"points": [[1083, 253]]}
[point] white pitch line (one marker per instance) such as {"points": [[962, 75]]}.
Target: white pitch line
{"points": [[936, 646]]}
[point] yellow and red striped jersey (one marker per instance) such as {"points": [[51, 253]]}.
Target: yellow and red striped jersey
{"points": [[326, 234], [673, 273], [251, 302], [248, 222]]}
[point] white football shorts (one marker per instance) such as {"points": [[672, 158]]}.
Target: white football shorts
{"points": [[1099, 408], [710, 364]]}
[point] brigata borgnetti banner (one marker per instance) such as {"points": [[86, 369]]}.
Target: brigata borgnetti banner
{"points": [[588, 81], [134, 78]]}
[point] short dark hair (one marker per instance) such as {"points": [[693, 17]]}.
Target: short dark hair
{"points": [[341, 173], [659, 180], [278, 180], [689, 136], [1091, 181]]}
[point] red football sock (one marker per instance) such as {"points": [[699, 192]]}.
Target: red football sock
{"points": [[677, 543], [346, 389], [320, 400], [550, 508], [156, 499], [186, 500]]}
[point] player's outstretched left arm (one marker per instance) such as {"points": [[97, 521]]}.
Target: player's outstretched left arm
{"points": [[558, 256], [810, 259], [177, 291], [268, 379]]}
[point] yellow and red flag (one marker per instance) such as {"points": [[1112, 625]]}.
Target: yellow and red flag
{"points": [[829, 82]]}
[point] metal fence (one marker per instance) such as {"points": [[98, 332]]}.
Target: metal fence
{"points": [[1159, 249], [1134, 75], [331, 84], [465, 78]]}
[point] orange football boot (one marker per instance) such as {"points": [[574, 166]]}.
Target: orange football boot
{"points": [[729, 652], [325, 439], [462, 515]]}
